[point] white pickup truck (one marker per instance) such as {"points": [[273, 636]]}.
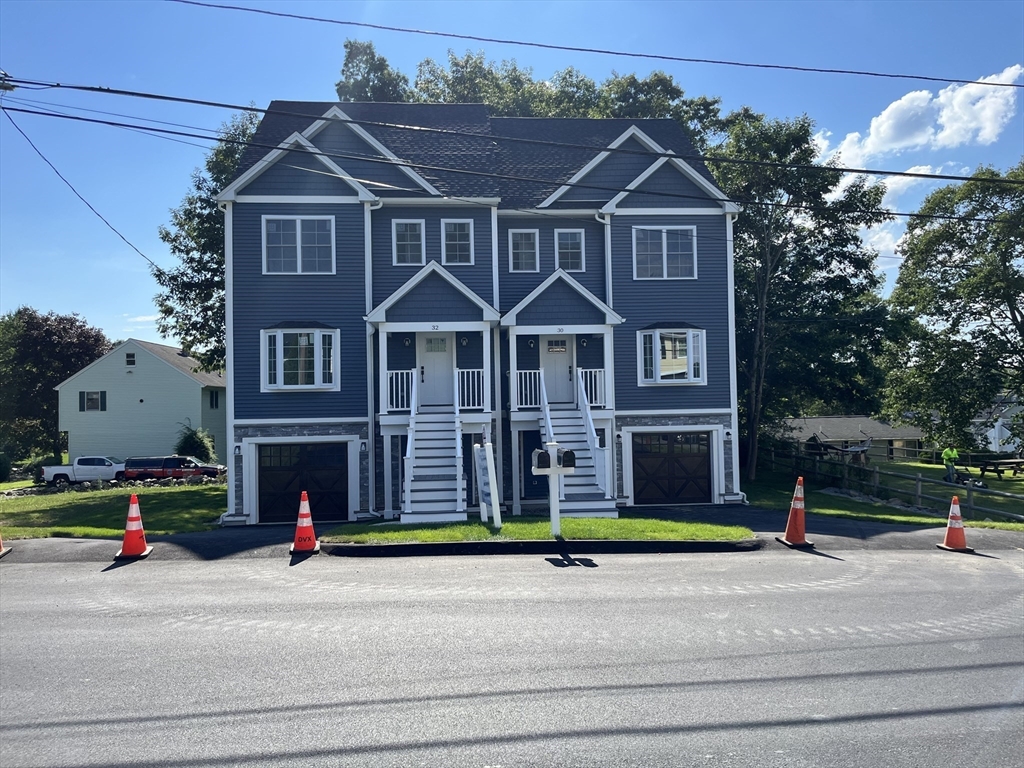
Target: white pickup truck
{"points": [[85, 469]]}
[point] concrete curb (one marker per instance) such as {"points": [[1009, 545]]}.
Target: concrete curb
{"points": [[573, 547]]}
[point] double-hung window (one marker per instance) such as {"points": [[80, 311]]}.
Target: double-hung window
{"points": [[664, 253], [671, 356], [92, 401], [408, 244], [297, 358], [569, 250], [298, 245], [523, 250], [456, 241]]}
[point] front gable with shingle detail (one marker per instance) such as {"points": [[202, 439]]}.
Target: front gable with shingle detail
{"points": [[561, 300]]}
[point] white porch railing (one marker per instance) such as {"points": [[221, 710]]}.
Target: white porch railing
{"points": [[529, 389], [469, 383], [410, 448], [593, 385], [549, 430], [400, 390], [600, 454], [460, 475]]}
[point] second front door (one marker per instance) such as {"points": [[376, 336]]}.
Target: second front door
{"points": [[556, 359], [436, 368]]}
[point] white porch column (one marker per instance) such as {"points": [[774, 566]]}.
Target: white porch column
{"points": [[488, 356], [389, 510], [513, 374], [609, 367], [497, 439], [382, 341], [517, 502]]}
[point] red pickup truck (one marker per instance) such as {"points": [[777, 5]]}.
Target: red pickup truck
{"points": [[161, 467]]}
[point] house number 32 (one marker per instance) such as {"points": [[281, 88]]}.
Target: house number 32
{"points": [[434, 327]]}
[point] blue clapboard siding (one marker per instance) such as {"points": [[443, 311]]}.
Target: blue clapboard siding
{"points": [[702, 302], [676, 190], [471, 355], [560, 304], [298, 173], [400, 356], [347, 150], [434, 299], [388, 278], [262, 301], [515, 286], [611, 175], [527, 357], [590, 355]]}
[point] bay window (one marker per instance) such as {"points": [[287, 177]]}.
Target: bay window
{"points": [[300, 359], [671, 356]]}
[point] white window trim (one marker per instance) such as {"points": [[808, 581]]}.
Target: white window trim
{"points": [[536, 245], [691, 334], [394, 242], [317, 364], [583, 250], [664, 255], [298, 233], [472, 244]]}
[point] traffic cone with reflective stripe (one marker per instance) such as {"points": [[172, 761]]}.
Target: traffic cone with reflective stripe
{"points": [[134, 545], [795, 526], [955, 540], [3, 550], [305, 539]]}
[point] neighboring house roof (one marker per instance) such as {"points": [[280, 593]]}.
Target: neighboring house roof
{"points": [[173, 356], [850, 428], [471, 140]]}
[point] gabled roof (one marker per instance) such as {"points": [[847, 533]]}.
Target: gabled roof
{"points": [[173, 356], [611, 317], [379, 313], [714, 192], [850, 428]]}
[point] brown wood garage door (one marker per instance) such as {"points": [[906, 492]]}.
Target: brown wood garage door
{"points": [[320, 469], [672, 468]]}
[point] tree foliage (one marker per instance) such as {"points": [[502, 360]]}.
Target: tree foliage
{"points": [[367, 76], [191, 302], [195, 442], [963, 278], [809, 319], [38, 352]]}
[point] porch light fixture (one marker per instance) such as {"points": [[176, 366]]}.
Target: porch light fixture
{"points": [[362, 446], [238, 450], [407, 342], [531, 343], [464, 341], [583, 342]]}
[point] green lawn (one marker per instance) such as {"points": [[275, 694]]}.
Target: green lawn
{"points": [[775, 490], [14, 484], [102, 514], [536, 529]]}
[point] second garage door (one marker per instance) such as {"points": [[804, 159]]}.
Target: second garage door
{"points": [[671, 468], [321, 469]]}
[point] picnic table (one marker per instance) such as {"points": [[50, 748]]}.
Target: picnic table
{"points": [[998, 466]]}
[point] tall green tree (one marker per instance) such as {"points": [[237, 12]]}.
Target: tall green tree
{"points": [[962, 277], [809, 319], [38, 352], [191, 302], [367, 76]]}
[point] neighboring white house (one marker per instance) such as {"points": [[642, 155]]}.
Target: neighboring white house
{"points": [[134, 400]]}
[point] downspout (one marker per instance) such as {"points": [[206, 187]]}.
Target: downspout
{"points": [[229, 367], [371, 421]]}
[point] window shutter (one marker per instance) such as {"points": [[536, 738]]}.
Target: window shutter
{"points": [[103, 400], [81, 401]]}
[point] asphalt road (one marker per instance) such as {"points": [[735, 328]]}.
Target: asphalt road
{"points": [[886, 657]]}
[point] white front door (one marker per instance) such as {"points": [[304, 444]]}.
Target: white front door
{"points": [[436, 368], [557, 355]]}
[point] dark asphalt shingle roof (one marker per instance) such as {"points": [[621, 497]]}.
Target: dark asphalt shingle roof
{"points": [[187, 365], [540, 169], [858, 428]]}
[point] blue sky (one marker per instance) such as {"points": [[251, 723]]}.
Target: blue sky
{"points": [[56, 255]]}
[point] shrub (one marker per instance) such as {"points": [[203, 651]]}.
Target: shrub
{"points": [[35, 465], [195, 442], [5, 468]]}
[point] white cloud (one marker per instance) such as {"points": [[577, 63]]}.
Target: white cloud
{"points": [[143, 318], [884, 239], [895, 186], [959, 115]]}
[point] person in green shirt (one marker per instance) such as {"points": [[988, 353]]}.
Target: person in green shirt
{"points": [[950, 457]]}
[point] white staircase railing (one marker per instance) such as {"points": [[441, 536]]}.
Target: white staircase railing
{"points": [[410, 447], [529, 389], [600, 454], [400, 390], [593, 384], [469, 383], [460, 475], [549, 430]]}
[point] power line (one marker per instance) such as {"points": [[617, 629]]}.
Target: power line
{"points": [[491, 174], [575, 49], [508, 139], [79, 195]]}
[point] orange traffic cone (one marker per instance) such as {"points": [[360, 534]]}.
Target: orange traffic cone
{"points": [[795, 526], [305, 539], [3, 550], [955, 541], [134, 545]]}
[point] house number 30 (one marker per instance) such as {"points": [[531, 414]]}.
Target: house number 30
{"points": [[560, 330]]}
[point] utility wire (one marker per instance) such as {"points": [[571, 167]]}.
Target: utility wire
{"points": [[490, 174], [89, 205], [488, 137], [575, 49]]}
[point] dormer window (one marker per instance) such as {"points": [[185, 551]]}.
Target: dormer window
{"points": [[129, 359]]}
